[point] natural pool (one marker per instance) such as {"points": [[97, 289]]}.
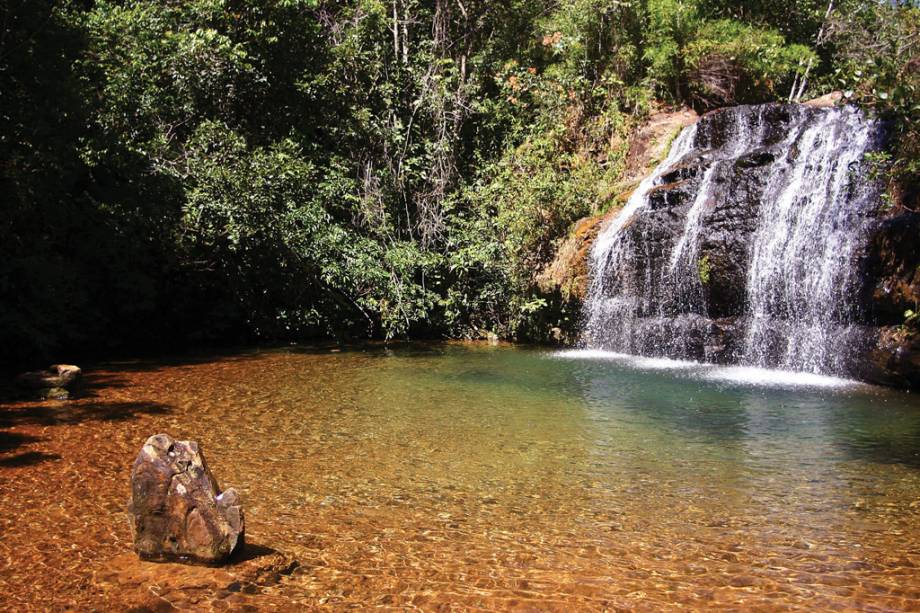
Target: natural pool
{"points": [[478, 477]]}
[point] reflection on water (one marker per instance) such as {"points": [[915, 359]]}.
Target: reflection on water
{"points": [[480, 477]]}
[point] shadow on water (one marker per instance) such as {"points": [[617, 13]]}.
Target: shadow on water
{"points": [[892, 437], [12, 440], [905, 451], [100, 374], [110, 368], [403, 349], [86, 387], [69, 413], [28, 458], [251, 551], [57, 414]]}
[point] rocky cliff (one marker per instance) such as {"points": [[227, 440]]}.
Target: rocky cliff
{"points": [[567, 276], [763, 241]]}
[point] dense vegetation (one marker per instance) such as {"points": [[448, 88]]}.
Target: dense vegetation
{"points": [[180, 171]]}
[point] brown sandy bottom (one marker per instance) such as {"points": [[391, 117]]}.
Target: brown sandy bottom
{"points": [[377, 479]]}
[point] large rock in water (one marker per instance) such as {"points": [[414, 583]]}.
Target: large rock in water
{"points": [[177, 510]]}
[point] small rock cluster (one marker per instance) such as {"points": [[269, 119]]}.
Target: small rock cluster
{"points": [[52, 383], [177, 509]]}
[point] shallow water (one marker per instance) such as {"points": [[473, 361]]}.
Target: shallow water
{"points": [[480, 477]]}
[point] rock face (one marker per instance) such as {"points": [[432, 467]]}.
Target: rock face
{"points": [[893, 271], [893, 358], [826, 101], [649, 144], [756, 242], [568, 272], [177, 510], [892, 288], [567, 275]]}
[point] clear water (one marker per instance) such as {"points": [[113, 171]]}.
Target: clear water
{"points": [[481, 477]]}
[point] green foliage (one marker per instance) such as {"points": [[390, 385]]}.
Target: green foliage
{"points": [[241, 169], [161, 67], [714, 62], [876, 49], [704, 269], [62, 248], [671, 24], [729, 61], [911, 317], [592, 47], [797, 20], [524, 203]]}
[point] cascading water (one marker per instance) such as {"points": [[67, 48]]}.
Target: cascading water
{"points": [[802, 279], [744, 245]]}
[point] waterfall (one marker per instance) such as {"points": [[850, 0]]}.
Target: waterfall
{"points": [[744, 245], [605, 243]]}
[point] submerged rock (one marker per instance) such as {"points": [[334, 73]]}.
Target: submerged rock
{"points": [[177, 510], [54, 393]]}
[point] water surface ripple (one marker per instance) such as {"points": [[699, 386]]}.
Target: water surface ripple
{"points": [[478, 477]]}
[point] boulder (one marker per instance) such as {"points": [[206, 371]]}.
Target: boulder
{"points": [[54, 393], [826, 101], [177, 509], [57, 376]]}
